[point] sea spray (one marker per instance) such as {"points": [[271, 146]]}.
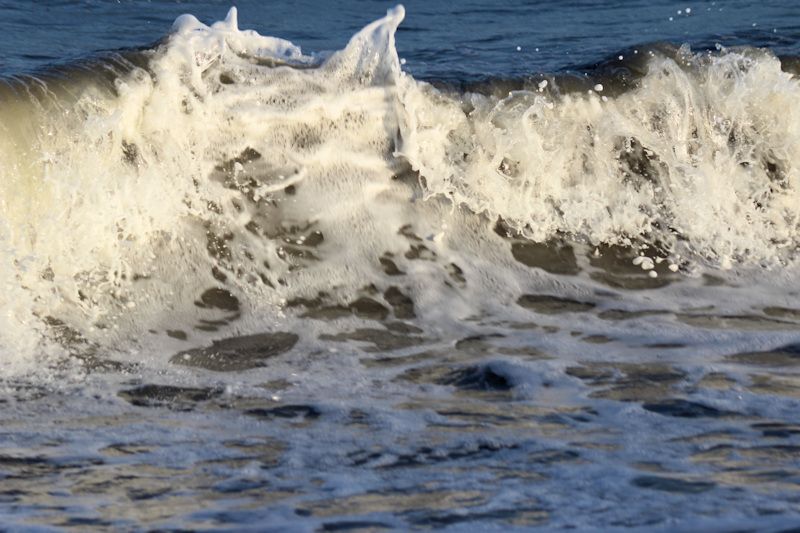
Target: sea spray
{"points": [[141, 190]]}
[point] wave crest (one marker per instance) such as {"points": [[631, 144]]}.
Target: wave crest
{"points": [[222, 174]]}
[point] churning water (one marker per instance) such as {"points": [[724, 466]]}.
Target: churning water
{"points": [[523, 272]]}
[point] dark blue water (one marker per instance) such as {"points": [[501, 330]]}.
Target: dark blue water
{"points": [[457, 41]]}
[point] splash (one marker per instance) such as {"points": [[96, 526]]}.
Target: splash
{"points": [[223, 176]]}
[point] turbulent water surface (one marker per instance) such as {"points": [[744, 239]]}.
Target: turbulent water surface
{"points": [[528, 266]]}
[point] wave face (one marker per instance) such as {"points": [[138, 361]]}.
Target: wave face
{"points": [[225, 176]]}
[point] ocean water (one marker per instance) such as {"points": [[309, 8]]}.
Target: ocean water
{"points": [[473, 266]]}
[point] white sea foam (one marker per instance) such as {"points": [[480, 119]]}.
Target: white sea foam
{"points": [[121, 204], [697, 158]]}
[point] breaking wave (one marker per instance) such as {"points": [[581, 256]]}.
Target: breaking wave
{"points": [[222, 176]]}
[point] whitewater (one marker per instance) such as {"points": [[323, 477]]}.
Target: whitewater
{"points": [[244, 284]]}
